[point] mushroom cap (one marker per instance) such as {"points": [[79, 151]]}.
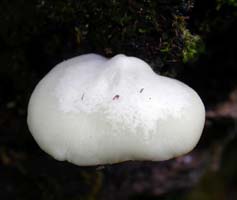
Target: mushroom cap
{"points": [[91, 110]]}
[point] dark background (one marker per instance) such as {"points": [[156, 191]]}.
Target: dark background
{"points": [[193, 41]]}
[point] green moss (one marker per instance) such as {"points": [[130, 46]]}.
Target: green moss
{"points": [[193, 46], [166, 47], [220, 3]]}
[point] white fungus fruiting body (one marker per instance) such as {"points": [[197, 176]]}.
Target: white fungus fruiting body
{"points": [[91, 110]]}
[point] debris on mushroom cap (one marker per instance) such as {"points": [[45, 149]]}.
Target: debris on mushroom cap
{"points": [[91, 110]]}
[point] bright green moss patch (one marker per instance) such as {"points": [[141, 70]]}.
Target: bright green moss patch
{"points": [[193, 46]]}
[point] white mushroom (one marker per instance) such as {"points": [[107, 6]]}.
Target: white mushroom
{"points": [[91, 110]]}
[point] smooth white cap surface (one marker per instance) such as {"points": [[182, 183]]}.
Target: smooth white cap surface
{"points": [[90, 110]]}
